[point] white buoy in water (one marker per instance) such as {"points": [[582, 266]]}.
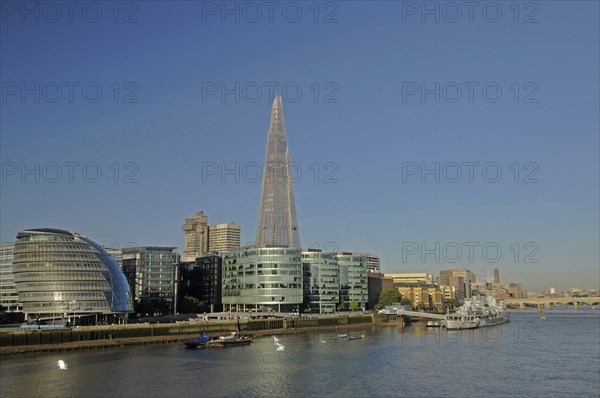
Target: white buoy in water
{"points": [[62, 365]]}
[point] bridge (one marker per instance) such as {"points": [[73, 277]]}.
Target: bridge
{"points": [[550, 302], [419, 314]]}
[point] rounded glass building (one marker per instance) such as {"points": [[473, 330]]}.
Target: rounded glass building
{"points": [[62, 274]]}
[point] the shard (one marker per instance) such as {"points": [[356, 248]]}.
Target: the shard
{"points": [[277, 220]]}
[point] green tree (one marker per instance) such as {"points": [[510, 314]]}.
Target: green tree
{"points": [[389, 297], [405, 301], [191, 305], [451, 303], [353, 305]]}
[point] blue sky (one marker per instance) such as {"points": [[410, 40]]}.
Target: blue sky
{"points": [[158, 123]]}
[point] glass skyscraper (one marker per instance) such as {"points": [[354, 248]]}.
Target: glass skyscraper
{"points": [[277, 220], [269, 275]]}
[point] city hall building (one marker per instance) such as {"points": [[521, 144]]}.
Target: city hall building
{"points": [[64, 277]]}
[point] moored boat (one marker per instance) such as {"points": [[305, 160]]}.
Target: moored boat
{"points": [[478, 311], [351, 336], [199, 341], [234, 339]]}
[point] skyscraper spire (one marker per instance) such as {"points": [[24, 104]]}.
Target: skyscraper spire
{"points": [[277, 221]]}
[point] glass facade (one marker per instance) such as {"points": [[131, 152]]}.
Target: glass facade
{"points": [[262, 279], [150, 272], [321, 281], [354, 285], [9, 298], [58, 271], [277, 220]]}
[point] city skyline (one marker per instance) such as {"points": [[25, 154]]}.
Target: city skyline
{"points": [[372, 123]]}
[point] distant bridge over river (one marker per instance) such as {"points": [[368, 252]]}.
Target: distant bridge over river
{"points": [[550, 302]]}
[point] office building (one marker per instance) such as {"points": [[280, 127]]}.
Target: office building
{"points": [[150, 272], [223, 237], [202, 281], [277, 220], [354, 283], [267, 278], [321, 281], [377, 282], [196, 237], [64, 275], [461, 278], [115, 253], [411, 277]]}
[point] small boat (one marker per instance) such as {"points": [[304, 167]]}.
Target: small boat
{"points": [[352, 336], [200, 341], [434, 324], [233, 339], [543, 317]]}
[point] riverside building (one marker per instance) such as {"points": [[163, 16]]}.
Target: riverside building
{"points": [[64, 277], [9, 299], [265, 278], [150, 271], [277, 274]]}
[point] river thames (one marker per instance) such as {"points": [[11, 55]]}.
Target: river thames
{"points": [[555, 357]]}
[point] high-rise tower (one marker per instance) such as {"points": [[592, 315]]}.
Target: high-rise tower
{"points": [[196, 236], [277, 221]]}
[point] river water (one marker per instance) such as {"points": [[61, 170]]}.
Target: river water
{"points": [[556, 357]]}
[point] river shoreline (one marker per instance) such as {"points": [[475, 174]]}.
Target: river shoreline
{"points": [[101, 344]]}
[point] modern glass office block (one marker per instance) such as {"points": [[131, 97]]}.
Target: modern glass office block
{"points": [[321, 280], [262, 279]]}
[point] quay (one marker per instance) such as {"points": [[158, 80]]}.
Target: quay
{"points": [[20, 341]]}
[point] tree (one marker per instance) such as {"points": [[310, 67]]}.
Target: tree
{"points": [[451, 303], [191, 305], [353, 305], [389, 297], [405, 301]]}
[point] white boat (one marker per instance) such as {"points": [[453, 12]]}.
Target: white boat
{"points": [[478, 311]]}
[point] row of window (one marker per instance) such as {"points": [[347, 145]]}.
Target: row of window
{"points": [[263, 286], [44, 238], [65, 296], [58, 266], [54, 256], [54, 247], [58, 276], [62, 286]]}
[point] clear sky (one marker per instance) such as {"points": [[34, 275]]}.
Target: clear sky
{"points": [[185, 88]]}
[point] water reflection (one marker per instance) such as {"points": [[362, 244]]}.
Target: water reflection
{"points": [[559, 356]]}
